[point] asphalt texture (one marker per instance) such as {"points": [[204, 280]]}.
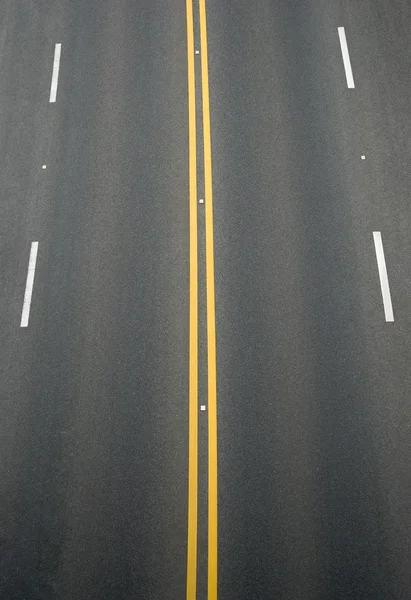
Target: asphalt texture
{"points": [[93, 424], [313, 386]]}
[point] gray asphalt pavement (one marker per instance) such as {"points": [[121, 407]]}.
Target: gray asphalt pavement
{"points": [[93, 428], [313, 385]]}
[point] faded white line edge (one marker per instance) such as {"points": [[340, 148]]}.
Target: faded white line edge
{"points": [[55, 76], [346, 57], [25, 314], [382, 270]]}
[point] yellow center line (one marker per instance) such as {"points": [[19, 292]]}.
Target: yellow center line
{"points": [[211, 328], [193, 334]]}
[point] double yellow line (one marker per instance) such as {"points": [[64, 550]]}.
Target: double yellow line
{"points": [[211, 335]]}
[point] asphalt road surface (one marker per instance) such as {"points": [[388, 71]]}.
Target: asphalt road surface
{"points": [[110, 447], [94, 391]]}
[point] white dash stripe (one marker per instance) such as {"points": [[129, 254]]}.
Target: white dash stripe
{"points": [[382, 269], [55, 76], [29, 285], [346, 57]]}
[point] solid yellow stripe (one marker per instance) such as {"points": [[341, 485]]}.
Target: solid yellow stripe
{"points": [[193, 334], [211, 329]]}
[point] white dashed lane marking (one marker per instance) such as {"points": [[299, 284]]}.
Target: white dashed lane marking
{"points": [[55, 76], [382, 270], [29, 285], [346, 57]]}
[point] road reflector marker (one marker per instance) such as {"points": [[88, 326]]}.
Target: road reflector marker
{"points": [[202, 407], [201, 201], [362, 157], [44, 167], [197, 51]]}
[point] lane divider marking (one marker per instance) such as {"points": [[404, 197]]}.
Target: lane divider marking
{"points": [[211, 324], [382, 270], [55, 75], [346, 57], [29, 285], [191, 589]]}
